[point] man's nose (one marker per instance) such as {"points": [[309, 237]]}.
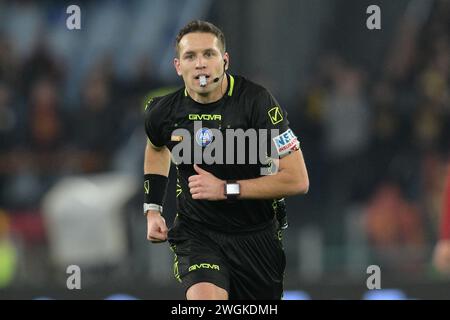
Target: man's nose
{"points": [[200, 63]]}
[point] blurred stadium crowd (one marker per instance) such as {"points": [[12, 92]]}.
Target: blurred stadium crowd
{"points": [[382, 139], [375, 143]]}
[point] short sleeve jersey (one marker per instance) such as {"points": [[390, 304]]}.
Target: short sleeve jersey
{"points": [[230, 138]]}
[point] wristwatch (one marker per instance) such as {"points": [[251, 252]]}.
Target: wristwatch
{"points": [[232, 189], [153, 207]]}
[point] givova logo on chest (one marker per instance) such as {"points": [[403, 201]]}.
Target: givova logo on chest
{"points": [[196, 117]]}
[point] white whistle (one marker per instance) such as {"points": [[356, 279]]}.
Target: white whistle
{"points": [[202, 81]]}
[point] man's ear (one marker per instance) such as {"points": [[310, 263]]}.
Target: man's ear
{"points": [[176, 64], [226, 57]]}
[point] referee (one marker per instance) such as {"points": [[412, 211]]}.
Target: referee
{"points": [[226, 236]]}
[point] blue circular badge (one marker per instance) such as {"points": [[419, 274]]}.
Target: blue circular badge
{"points": [[204, 136]]}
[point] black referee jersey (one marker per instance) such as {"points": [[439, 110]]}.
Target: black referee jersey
{"points": [[245, 105]]}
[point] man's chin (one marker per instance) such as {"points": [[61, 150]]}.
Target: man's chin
{"points": [[203, 91]]}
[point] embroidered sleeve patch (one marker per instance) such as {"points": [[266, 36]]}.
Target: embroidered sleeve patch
{"points": [[275, 115]]}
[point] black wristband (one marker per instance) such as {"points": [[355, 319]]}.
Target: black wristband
{"points": [[155, 188]]}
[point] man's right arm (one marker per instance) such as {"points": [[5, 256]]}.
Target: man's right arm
{"points": [[156, 161]]}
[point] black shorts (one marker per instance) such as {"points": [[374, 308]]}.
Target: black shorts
{"points": [[248, 265]]}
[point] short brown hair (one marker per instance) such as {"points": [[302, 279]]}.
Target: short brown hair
{"points": [[200, 26]]}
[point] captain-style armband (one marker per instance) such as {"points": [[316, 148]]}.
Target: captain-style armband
{"points": [[286, 143], [155, 189]]}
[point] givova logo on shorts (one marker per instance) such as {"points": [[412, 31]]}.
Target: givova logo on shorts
{"points": [[204, 266]]}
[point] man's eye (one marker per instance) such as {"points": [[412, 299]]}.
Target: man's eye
{"points": [[208, 54]]}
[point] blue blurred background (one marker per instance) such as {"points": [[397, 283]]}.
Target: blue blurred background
{"points": [[371, 109]]}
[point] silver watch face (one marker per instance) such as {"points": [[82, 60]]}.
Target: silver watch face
{"points": [[233, 188]]}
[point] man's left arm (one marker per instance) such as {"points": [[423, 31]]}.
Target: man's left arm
{"points": [[291, 178]]}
